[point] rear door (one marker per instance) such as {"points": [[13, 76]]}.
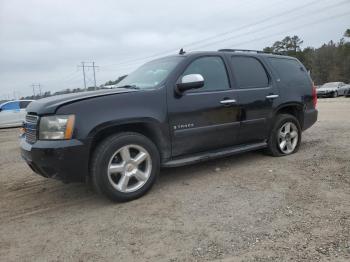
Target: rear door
{"points": [[257, 97], [206, 118]]}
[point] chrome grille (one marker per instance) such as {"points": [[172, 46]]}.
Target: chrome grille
{"points": [[31, 128]]}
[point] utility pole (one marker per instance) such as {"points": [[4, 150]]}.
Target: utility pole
{"points": [[84, 66], [35, 86], [93, 67]]}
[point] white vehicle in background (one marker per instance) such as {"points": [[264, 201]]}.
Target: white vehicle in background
{"points": [[332, 89], [13, 113]]}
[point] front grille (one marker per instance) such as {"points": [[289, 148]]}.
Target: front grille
{"points": [[31, 128]]}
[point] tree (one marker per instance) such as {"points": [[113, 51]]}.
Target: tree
{"points": [[347, 33], [288, 45]]}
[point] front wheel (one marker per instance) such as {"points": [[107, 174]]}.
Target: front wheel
{"points": [[335, 94], [285, 136], [125, 166]]}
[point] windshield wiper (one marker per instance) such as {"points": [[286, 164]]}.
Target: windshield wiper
{"points": [[128, 86]]}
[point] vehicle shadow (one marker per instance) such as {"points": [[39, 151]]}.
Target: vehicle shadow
{"points": [[38, 195]]}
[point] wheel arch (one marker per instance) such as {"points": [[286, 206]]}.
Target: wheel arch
{"points": [[148, 127], [295, 109]]}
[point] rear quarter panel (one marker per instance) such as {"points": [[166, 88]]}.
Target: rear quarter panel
{"points": [[297, 91]]}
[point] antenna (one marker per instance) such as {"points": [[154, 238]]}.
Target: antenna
{"points": [[182, 52]]}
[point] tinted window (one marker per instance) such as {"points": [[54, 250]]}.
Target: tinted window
{"points": [[213, 71], [249, 72], [24, 104], [290, 72], [10, 106]]}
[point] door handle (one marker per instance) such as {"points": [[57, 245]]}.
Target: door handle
{"points": [[228, 101], [272, 96]]}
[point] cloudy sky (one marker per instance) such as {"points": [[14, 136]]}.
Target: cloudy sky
{"points": [[44, 41]]}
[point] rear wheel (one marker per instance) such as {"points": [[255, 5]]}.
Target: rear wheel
{"points": [[285, 136], [125, 166]]}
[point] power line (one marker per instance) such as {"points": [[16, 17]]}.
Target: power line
{"points": [[86, 65], [270, 35], [64, 78], [296, 27], [293, 28], [71, 77], [224, 33], [282, 14], [277, 24]]}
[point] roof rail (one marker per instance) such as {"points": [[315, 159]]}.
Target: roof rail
{"points": [[240, 50], [253, 51]]}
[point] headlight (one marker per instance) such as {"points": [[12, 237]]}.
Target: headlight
{"points": [[56, 127]]}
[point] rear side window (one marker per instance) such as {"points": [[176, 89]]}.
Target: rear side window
{"points": [[10, 106], [213, 70], [290, 72], [24, 104], [249, 72]]}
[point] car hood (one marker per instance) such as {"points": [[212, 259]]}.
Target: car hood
{"points": [[49, 105]]}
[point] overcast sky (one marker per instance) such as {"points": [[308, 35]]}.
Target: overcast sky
{"points": [[44, 41]]}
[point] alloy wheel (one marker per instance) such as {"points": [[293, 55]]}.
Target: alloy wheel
{"points": [[129, 168], [288, 137]]}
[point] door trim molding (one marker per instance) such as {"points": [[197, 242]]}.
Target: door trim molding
{"points": [[195, 130]]}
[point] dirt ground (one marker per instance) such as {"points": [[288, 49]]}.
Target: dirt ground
{"points": [[250, 207]]}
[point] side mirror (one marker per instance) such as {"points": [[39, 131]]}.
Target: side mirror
{"points": [[192, 81]]}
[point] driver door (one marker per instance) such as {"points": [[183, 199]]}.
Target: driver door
{"points": [[206, 118]]}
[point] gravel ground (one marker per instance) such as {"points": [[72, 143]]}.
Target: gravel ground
{"points": [[250, 207]]}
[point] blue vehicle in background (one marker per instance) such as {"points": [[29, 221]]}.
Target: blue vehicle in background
{"points": [[12, 113]]}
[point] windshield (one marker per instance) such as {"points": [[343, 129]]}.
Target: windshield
{"points": [[330, 85], [150, 74]]}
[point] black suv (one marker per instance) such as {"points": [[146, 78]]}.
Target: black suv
{"points": [[170, 112]]}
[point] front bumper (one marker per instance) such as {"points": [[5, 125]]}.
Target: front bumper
{"points": [[66, 160], [328, 94], [310, 118]]}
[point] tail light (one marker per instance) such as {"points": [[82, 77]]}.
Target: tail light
{"points": [[314, 95]]}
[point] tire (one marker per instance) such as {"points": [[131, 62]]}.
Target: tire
{"points": [[335, 94], [275, 139], [125, 166]]}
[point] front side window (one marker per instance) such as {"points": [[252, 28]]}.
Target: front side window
{"points": [[151, 74], [10, 106], [249, 72], [213, 70]]}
